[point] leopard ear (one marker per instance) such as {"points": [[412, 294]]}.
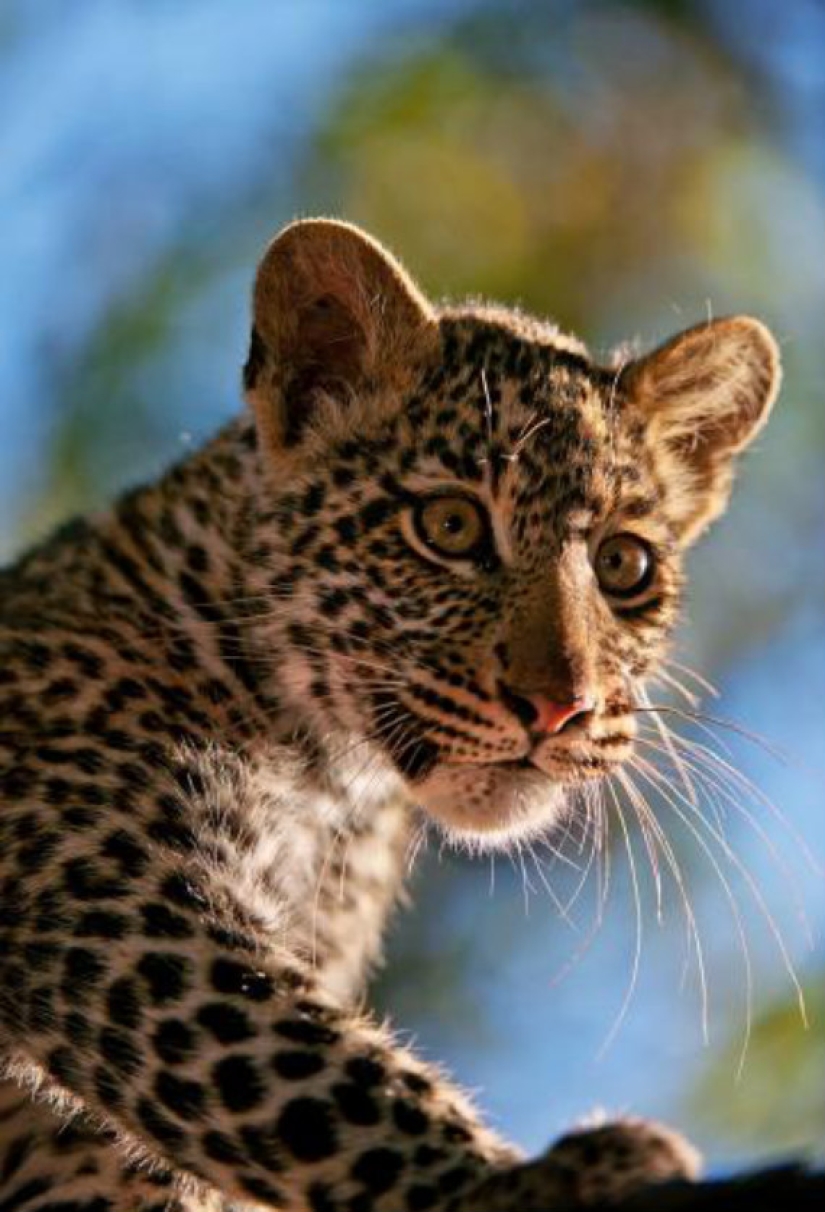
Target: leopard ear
{"points": [[335, 316], [705, 395]]}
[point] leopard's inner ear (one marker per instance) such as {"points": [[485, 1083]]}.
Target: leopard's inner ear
{"points": [[705, 395], [335, 316]]}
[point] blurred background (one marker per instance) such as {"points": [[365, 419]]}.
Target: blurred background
{"points": [[627, 168]]}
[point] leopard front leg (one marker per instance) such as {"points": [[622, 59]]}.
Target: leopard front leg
{"points": [[218, 1057], [51, 1164], [376, 1131], [134, 988]]}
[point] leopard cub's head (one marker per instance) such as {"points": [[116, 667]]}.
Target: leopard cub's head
{"points": [[472, 535]]}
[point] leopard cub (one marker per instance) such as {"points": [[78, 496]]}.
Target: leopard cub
{"points": [[428, 572]]}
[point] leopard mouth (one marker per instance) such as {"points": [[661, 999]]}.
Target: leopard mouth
{"points": [[555, 763], [491, 805], [545, 764], [545, 761]]}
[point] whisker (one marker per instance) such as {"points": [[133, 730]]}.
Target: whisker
{"points": [[702, 720], [691, 698], [650, 849], [418, 840], [656, 779], [700, 681], [319, 889], [488, 408], [527, 887], [643, 810], [591, 831], [715, 788], [738, 781], [551, 892], [605, 850], [665, 734], [638, 917], [594, 806], [525, 438]]}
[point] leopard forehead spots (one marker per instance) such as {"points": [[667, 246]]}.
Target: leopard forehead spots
{"points": [[534, 411]]}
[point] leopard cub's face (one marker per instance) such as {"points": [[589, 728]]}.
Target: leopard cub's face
{"points": [[484, 577], [474, 534]]}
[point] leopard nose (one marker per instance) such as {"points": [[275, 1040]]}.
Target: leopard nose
{"points": [[542, 715]]}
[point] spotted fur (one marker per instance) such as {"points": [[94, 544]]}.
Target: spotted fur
{"points": [[223, 704]]}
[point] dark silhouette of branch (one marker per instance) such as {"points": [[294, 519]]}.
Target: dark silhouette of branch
{"points": [[791, 1188]]}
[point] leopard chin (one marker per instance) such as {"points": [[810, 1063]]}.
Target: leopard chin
{"points": [[488, 807]]}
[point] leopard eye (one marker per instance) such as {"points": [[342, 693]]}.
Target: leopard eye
{"points": [[624, 566], [452, 525]]}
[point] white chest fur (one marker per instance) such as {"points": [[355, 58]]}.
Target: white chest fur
{"points": [[317, 861]]}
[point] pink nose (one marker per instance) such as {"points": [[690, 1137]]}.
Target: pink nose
{"points": [[540, 714], [552, 717]]}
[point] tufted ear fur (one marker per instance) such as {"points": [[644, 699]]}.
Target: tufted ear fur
{"points": [[705, 395], [335, 316]]}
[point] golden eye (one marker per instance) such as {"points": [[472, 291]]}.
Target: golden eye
{"points": [[452, 525], [624, 566]]}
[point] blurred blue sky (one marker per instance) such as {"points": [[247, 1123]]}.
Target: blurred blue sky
{"points": [[127, 127], [149, 149]]}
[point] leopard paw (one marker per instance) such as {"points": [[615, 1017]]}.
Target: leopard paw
{"points": [[592, 1165], [609, 1161]]}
